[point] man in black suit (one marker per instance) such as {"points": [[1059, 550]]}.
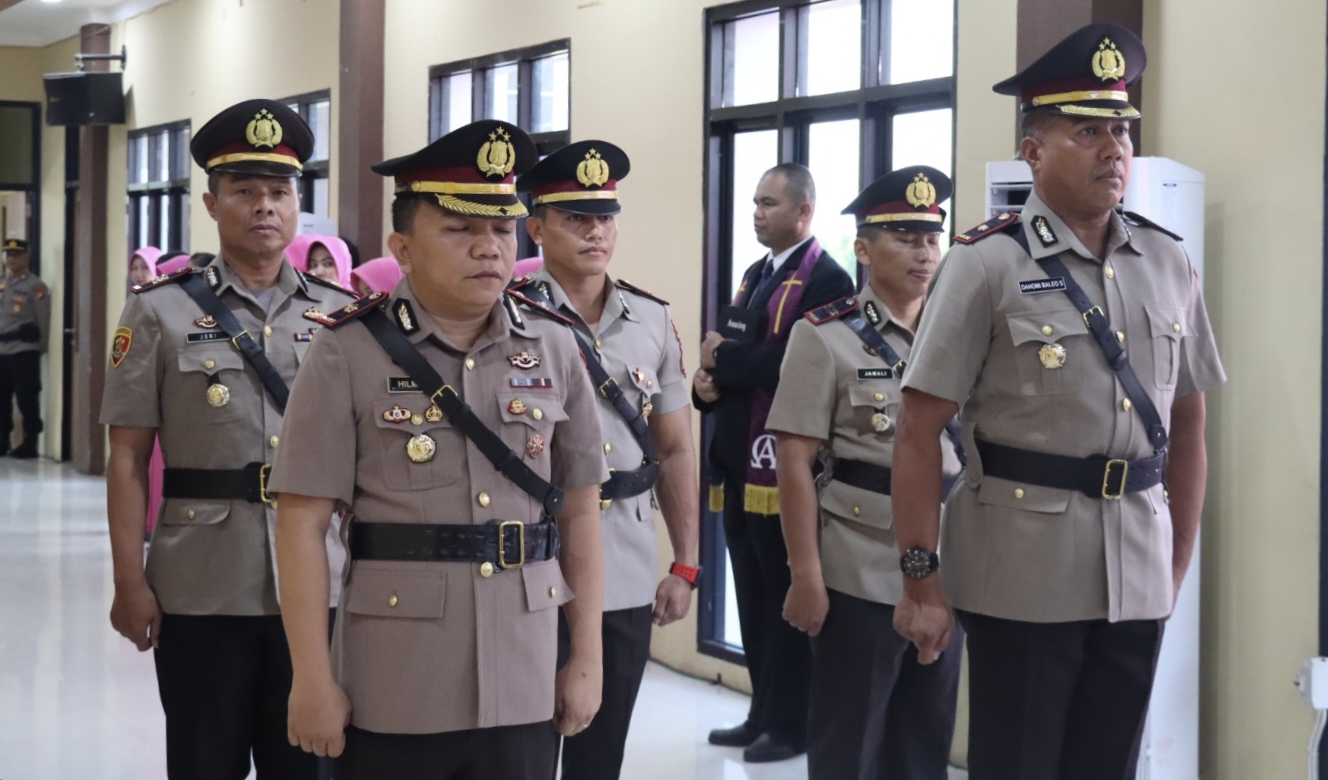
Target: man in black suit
{"points": [[736, 384]]}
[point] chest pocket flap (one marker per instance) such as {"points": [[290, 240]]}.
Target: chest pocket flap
{"points": [[1034, 325], [545, 586], [211, 360], [1167, 326], [1053, 350], [538, 409]]}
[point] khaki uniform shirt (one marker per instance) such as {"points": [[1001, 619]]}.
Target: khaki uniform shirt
{"points": [[1038, 554], [423, 648], [213, 557], [637, 345], [829, 389], [24, 300]]}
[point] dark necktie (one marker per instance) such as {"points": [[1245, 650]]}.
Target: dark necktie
{"points": [[763, 286]]}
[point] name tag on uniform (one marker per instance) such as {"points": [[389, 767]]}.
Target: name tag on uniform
{"points": [[1055, 284], [207, 335], [875, 373], [402, 384]]}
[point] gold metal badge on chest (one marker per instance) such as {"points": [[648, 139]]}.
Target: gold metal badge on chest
{"points": [[881, 422], [206, 322], [524, 360], [420, 448], [517, 406], [535, 447], [433, 414], [1052, 356], [218, 395], [397, 414]]}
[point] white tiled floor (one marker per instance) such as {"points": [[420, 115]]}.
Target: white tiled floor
{"points": [[77, 702]]}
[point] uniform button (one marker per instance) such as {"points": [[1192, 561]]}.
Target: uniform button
{"points": [[1120, 336], [857, 510], [537, 415], [606, 503], [416, 420], [209, 364], [392, 600], [1175, 326], [1111, 272], [599, 344], [1047, 330], [1019, 493], [190, 514], [470, 364], [650, 383], [1126, 405], [267, 330], [607, 448], [483, 499], [274, 441], [486, 569], [553, 592], [879, 396]]}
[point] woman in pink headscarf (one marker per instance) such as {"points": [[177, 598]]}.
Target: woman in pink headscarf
{"points": [[326, 257], [143, 265], [380, 274], [172, 263], [529, 265]]}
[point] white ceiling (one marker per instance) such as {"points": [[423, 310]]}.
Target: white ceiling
{"points": [[37, 23]]}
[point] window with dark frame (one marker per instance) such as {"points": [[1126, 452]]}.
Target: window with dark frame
{"points": [[850, 88], [531, 88], [159, 187], [315, 108]]}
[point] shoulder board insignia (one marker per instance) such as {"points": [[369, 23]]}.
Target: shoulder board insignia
{"points": [[643, 293], [164, 279], [996, 224], [321, 282], [832, 311], [345, 314], [1138, 219], [520, 281], [547, 312]]}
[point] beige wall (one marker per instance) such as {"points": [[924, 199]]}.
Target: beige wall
{"points": [[1263, 280]]}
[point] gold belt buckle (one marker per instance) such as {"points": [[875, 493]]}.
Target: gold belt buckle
{"points": [[1106, 479], [235, 342], [1089, 314], [434, 398], [607, 382], [263, 471], [502, 546]]}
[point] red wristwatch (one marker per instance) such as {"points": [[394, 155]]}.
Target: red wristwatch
{"points": [[690, 573]]}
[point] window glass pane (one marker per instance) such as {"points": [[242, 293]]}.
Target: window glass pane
{"points": [[925, 138], [834, 46], [551, 77], [182, 206], [320, 197], [164, 227], [921, 40], [752, 66], [753, 154], [457, 99], [141, 152], [500, 103], [180, 157], [144, 221], [832, 156], [161, 165], [732, 628], [320, 121]]}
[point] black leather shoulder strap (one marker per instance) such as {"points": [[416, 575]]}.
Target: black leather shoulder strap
{"points": [[1007, 223], [463, 418], [321, 282], [249, 347], [338, 317], [626, 285]]}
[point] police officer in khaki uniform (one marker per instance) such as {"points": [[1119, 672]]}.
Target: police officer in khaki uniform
{"points": [[645, 412], [1076, 341], [874, 711], [461, 434], [25, 329], [203, 359]]}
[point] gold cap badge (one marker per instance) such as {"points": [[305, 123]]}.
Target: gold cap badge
{"points": [[263, 131], [592, 171], [497, 156], [1108, 62], [921, 194]]}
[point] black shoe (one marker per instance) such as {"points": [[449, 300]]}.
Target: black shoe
{"points": [[24, 452], [740, 735], [767, 749]]}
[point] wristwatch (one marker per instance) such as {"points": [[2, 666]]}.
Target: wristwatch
{"points": [[919, 563], [690, 573]]}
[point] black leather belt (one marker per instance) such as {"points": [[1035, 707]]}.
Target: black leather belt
{"points": [[246, 484], [1096, 476], [27, 333], [868, 476], [625, 484], [506, 544]]}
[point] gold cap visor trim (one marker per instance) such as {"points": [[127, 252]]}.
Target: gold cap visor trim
{"points": [[280, 159], [457, 188], [558, 197], [1075, 97], [469, 209], [875, 218], [1129, 112]]}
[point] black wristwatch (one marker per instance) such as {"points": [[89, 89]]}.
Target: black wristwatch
{"points": [[919, 563]]}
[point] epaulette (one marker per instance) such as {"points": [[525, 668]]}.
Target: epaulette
{"points": [[832, 311], [520, 281], [536, 307], [643, 293], [1142, 221], [999, 223], [164, 279], [345, 314], [318, 280]]}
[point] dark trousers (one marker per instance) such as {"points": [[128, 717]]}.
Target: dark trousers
{"points": [[224, 682], [778, 655], [875, 712], [597, 752], [1058, 701], [526, 752], [20, 379]]}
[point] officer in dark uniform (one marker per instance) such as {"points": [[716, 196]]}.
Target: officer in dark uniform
{"points": [[1076, 341], [203, 359], [25, 327]]}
